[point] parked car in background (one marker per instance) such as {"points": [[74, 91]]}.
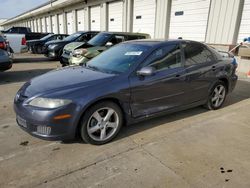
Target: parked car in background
{"points": [[130, 82], [5, 54], [54, 49], [17, 42], [36, 46], [81, 52], [26, 31]]}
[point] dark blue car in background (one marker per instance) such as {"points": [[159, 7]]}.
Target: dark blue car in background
{"points": [[128, 83]]}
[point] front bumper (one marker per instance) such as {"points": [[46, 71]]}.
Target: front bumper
{"points": [[5, 65], [50, 53], [41, 124], [78, 61], [64, 60]]}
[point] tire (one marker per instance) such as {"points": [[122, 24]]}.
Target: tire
{"points": [[217, 96], [101, 123]]}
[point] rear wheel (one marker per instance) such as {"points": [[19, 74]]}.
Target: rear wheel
{"points": [[101, 123], [217, 96]]}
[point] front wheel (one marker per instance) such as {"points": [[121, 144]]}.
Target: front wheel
{"points": [[217, 96], [101, 123]]}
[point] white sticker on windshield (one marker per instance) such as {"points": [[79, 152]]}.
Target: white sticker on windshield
{"points": [[134, 53]]}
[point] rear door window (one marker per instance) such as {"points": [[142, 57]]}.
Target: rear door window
{"points": [[196, 54]]}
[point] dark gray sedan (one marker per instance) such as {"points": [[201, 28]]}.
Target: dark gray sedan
{"points": [[128, 83]]}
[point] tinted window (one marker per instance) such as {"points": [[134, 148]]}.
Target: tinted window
{"points": [[165, 58], [118, 59], [73, 37], [117, 39], [132, 37], [22, 30], [84, 38], [100, 39], [196, 54], [13, 30]]}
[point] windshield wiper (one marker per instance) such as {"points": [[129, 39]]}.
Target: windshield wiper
{"points": [[93, 68]]}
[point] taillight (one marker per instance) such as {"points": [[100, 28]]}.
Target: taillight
{"points": [[23, 41], [3, 45]]}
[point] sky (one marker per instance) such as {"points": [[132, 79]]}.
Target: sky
{"points": [[12, 8]]}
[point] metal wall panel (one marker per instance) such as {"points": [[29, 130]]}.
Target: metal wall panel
{"points": [[224, 21], [245, 22]]}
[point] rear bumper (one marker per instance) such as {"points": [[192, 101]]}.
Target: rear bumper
{"points": [[233, 82]]}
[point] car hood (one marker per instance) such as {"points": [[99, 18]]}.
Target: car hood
{"points": [[64, 79], [73, 45]]}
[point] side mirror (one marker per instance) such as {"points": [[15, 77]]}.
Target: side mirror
{"points": [[146, 71], [109, 44]]}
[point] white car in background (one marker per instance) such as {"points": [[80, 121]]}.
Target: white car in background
{"points": [[17, 42]]}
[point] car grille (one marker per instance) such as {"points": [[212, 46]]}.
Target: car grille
{"points": [[43, 130]]}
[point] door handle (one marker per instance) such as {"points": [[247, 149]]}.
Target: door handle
{"points": [[213, 68], [180, 77]]}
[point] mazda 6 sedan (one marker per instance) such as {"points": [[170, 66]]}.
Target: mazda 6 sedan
{"points": [[130, 82]]}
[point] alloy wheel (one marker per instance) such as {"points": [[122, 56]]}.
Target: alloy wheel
{"points": [[218, 96], [103, 124]]}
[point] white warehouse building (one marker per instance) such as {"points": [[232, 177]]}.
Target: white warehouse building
{"points": [[223, 22]]}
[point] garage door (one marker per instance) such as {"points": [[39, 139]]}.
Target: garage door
{"points": [[38, 25], [115, 14], [144, 16], [69, 19], [245, 22], [95, 18], [35, 25], [54, 24], [61, 24], [80, 20], [48, 24], [43, 25], [189, 19]]}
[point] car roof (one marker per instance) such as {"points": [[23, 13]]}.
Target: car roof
{"points": [[126, 33], [88, 32], [158, 42]]}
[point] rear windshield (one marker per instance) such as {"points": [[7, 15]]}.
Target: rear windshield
{"points": [[100, 39], [47, 36], [73, 37]]}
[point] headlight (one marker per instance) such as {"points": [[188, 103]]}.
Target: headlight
{"points": [[52, 46], [49, 103], [79, 52]]}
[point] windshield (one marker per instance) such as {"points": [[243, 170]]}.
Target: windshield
{"points": [[100, 39], [73, 37], [118, 59], [47, 36]]}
